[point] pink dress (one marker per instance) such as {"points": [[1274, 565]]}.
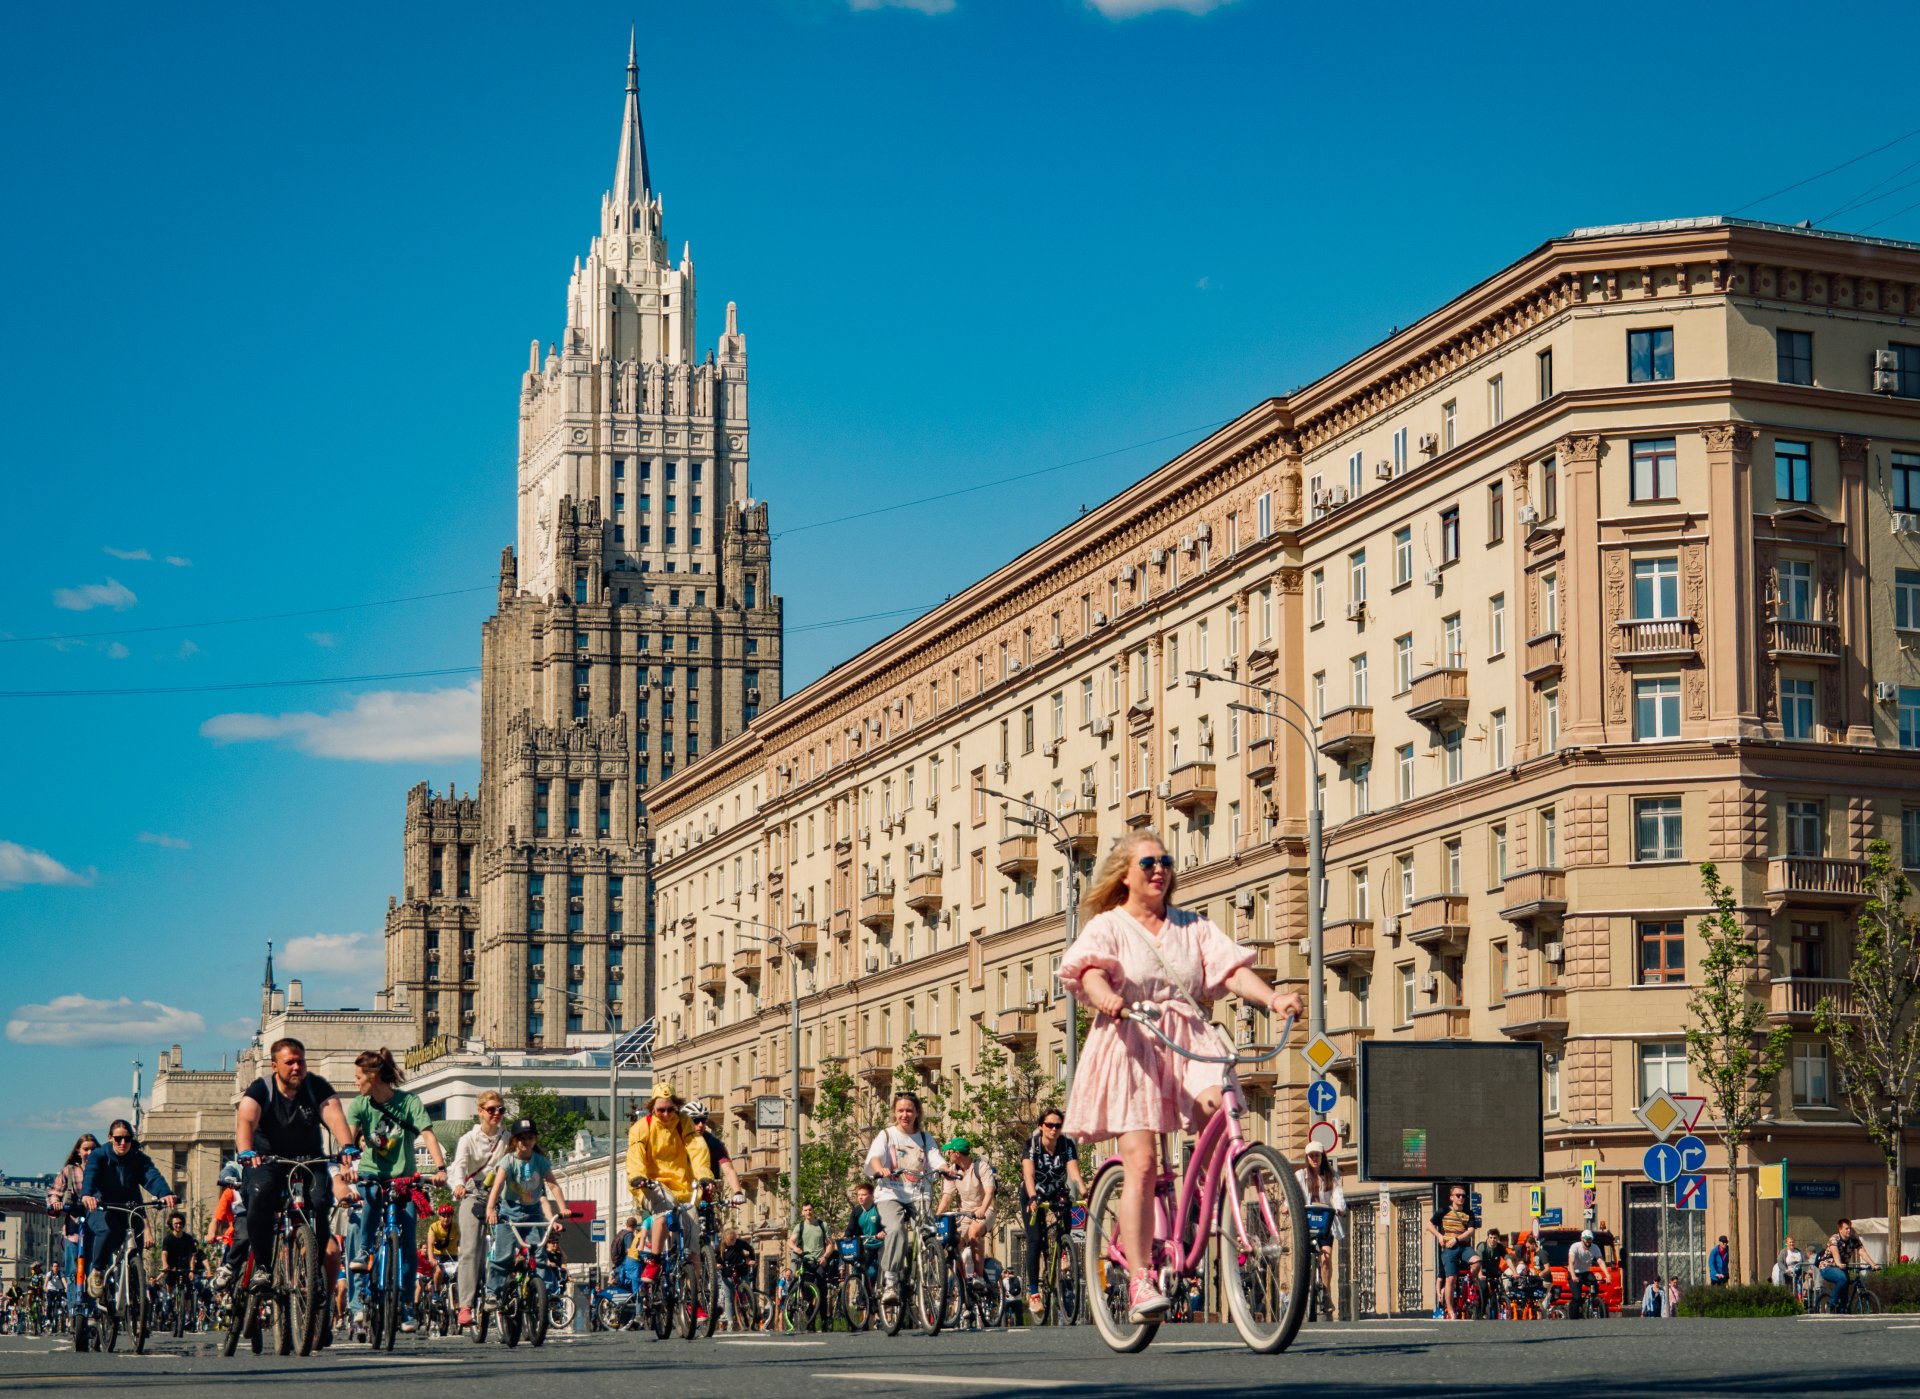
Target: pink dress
{"points": [[1126, 1080]]}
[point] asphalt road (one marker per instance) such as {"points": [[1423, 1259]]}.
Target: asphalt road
{"points": [[1363, 1360]]}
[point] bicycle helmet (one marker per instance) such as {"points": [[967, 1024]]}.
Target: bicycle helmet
{"points": [[695, 1112]]}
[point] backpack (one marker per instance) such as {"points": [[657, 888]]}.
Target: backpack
{"points": [[1650, 1304]]}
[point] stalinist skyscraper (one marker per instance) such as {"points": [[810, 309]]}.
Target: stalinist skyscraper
{"points": [[637, 629]]}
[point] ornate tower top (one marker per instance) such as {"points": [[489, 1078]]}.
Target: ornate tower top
{"points": [[631, 185]]}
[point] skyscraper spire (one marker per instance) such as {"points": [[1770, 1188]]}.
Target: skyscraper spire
{"points": [[631, 184]]}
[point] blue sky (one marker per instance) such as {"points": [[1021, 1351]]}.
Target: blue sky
{"points": [[269, 279]]}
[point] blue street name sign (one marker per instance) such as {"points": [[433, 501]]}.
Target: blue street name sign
{"points": [[1693, 1154], [1322, 1095], [1662, 1164], [1549, 1218]]}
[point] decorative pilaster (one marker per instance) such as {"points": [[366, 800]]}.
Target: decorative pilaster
{"points": [[1584, 647], [1731, 649]]}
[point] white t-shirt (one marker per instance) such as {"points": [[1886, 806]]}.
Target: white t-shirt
{"points": [[898, 1151]]}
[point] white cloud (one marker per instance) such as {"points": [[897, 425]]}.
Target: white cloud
{"points": [[131, 555], [237, 1029], [19, 865], [76, 1119], [186, 652], [116, 651], [176, 561], [323, 638], [385, 726], [88, 596], [1128, 9], [72, 1021], [345, 954], [1204, 284], [925, 7], [165, 842]]}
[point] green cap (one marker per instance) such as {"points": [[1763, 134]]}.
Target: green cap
{"points": [[959, 1144]]}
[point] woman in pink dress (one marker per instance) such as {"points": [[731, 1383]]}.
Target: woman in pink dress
{"points": [[1138, 947]]}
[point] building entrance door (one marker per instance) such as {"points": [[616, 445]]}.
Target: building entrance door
{"points": [[1661, 1242]]}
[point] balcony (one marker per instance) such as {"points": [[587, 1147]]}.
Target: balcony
{"points": [[876, 909], [806, 1085], [1259, 757], [1809, 882], [1269, 961], [804, 937], [1542, 657], [1534, 894], [1140, 807], [686, 988], [875, 1067], [1348, 1042], [841, 924], [1440, 1023], [1803, 641], [923, 893], [1082, 829], [1348, 945], [1019, 856], [740, 1102], [1191, 788], [1535, 1014], [926, 1054], [1793, 999], [1016, 1029], [712, 978], [1347, 733], [1439, 924], [762, 1162], [746, 965], [768, 1085], [1262, 1077], [1439, 697], [1654, 639]]}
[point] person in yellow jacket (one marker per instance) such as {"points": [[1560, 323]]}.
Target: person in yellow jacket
{"points": [[667, 1160]]}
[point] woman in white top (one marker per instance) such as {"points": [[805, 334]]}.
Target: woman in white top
{"points": [[470, 1175], [1320, 1184], [901, 1157]]}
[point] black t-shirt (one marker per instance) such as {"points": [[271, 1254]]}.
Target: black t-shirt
{"points": [[179, 1251], [736, 1258], [716, 1149], [1049, 1167], [289, 1126]]}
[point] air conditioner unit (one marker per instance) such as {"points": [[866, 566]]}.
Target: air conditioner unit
{"points": [[1100, 726], [1904, 523], [1089, 788], [1383, 471], [1886, 381], [866, 835], [1099, 619], [1528, 516], [1430, 983], [1392, 925], [933, 803], [536, 972], [1193, 683], [1014, 667], [872, 965], [1157, 557], [1051, 748], [1433, 577], [1886, 692], [1337, 496], [1126, 574], [1553, 952], [1203, 532], [1163, 791], [1886, 359], [1356, 610], [582, 691], [1055, 642], [1186, 544], [1429, 442], [999, 769], [1244, 901]]}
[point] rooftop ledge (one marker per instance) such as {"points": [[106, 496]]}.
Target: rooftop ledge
{"points": [[1619, 230]]}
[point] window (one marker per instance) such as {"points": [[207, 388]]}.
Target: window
{"points": [[1550, 720], [1796, 591], [1796, 709], [1357, 681], [1663, 953], [1806, 829], [1363, 791], [1663, 1066], [1319, 694], [1316, 603], [1656, 472], [1450, 864], [1452, 749], [1550, 489], [1263, 515], [1356, 470], [1808, 954], [1910, 838], [1497, 852], [1497, 624], [1793, 356], [1449, 534], [1496, 401], [1906, 481], [1403, 765], [1909, 716], [1656, 588], [1497, 736], [1549, 839], [1452, 645], [1906, 370], [1656, 708], [1399, 451], [1649, 356], [1497, 978], [1656, 828], [1402, 664], [1357, 576], [1553, 1086], [1810, 1075], [1407, 1004], [1543, 373], [1449, 425], [1496, 512], [1404, 865], [1362, 907], [1792, 471], [1402, 555]]}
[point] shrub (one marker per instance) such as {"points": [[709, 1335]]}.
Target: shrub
{"points": [[1898, 1287], [1761, 1300]]}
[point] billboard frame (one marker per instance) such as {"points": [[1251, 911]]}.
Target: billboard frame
{"points": [[1366, 1129]]}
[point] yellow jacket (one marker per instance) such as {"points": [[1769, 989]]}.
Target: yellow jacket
{"points": [[671, 1152]]}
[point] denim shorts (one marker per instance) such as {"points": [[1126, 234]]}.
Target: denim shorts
{"points": [[1453, 1261]]}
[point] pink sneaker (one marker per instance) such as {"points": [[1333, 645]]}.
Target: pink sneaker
{"points": [[1149, 1303]]}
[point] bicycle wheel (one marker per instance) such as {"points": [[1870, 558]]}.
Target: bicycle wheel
{"points": [[139, 1322], [306, 1297], [1068, 1301], [533, 1306], [510, 1318], [482, 1317], [710, 1285], [236, 1309], [660, 1304], [560, 1310], [933, 1287], [1266, 1274], [176, 1311], [1109, 1299], [856, 1301], [687, 1311], [109, 1313], [1863, 1302]]}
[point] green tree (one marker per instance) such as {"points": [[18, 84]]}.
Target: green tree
{"points": [[1737, 1058], [832, 1153], [1877, 1046], [548, 1111], [996, 1108]]}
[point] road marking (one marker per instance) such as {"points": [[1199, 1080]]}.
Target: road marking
{"points": [[966, 1381], [374, 1355], [749, 1341], [1373, 1330]]}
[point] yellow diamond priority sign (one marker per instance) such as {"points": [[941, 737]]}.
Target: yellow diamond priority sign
{"points": [[1319, 1052], [1661, 1115]]}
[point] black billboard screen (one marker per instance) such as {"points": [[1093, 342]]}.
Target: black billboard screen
{"points": [[1458, 1111]]}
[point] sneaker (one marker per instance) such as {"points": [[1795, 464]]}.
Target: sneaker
{"points": [[1035, 1303], [97, 1284], [650, 1272], [223, 1276], [889, 1291], [466, 1316], [261, 1281], [1147, 1301], [407, 1322]]}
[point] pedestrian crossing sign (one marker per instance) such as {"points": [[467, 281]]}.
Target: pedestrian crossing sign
{"points": [[1536, 1202]]}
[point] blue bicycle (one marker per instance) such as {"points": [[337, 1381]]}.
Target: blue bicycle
{"points": [[684, 1289], [385, 1296]]}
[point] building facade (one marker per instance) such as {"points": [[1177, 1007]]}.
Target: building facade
{"points": [[637, 628], [1602, 570]]}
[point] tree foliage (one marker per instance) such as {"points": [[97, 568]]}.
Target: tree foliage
{"points": [[996, 1107], [548, 1111], [829, 1158], [1877, 1047], [1735, 1055]]}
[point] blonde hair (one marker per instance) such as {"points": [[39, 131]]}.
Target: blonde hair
{"points": [[489, 1098], [1109, 886]]}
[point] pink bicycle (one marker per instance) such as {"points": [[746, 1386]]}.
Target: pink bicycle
{"points": [[1262, 1237]]}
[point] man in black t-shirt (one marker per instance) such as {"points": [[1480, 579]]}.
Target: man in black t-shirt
{"points": [[1049, 1167], [178, 1251], [281, 1114]]}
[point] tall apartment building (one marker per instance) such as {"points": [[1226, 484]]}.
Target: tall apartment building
{"points": [[1604, 569], [433, 928], [637, 628]]}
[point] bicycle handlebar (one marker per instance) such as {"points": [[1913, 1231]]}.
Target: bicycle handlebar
{"points": [[1147, 1014]]}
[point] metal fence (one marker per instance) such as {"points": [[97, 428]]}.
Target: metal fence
{"points": [[1359, 1258], [1409, 1232]]}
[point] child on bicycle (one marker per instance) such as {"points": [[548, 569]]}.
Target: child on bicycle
{"points": [[1136, 946], [523, 1187]]}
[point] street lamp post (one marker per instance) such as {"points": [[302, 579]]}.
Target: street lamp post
{"points": [[1063, 842], [635, 1045], [793, 1055]]}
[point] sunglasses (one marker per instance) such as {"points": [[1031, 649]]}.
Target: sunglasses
{"points": [[1050, 1126], [1147, 862], [122, 1139], [494, 1112], [666, 1108]]}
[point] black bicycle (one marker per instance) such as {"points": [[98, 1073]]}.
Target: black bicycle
{"points": [[295, 1302], [1063, 1235], [522, 1301]]}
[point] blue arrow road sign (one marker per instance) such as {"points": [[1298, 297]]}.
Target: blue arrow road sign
{"points": [[1662, 1163], [1322, 1095], [1690, 1193], [1693, 1154]]}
